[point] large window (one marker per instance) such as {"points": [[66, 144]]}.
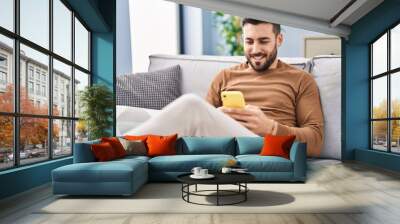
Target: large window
{"points": [[44, 64], [385, 92]]}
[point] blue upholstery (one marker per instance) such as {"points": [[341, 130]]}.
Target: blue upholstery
{"points": [[249, 145], [119, 177], [206, 145], [128, 159], [83, 152], [184, 163], [126, 175], [95, 172], [167, 168], [257, 163], [164, 176], [298, 155]]}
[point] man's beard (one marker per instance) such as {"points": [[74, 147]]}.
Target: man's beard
{"points": [[270, 59]]}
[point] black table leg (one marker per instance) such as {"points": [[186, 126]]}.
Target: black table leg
{"points": [[245, 193], [182, 190], [217, 194], [185, 188], [188, 189]]}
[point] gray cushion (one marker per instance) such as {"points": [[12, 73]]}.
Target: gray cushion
{"points": [[134, 147], [152, 90]]}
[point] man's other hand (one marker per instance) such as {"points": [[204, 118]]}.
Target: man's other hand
{"points": [[252, 118]]}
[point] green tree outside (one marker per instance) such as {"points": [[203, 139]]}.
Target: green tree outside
{"points": [[380, 127], [230, 28]]}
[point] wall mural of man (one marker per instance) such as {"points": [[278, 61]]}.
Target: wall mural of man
{"points": [[280, 99]]}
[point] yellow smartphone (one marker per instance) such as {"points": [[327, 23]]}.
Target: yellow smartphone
{"points": [[232, 99]]}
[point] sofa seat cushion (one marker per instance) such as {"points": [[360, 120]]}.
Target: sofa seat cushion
{"points": [[257, 163], [111, 171], [185, 163], [133, 158]]}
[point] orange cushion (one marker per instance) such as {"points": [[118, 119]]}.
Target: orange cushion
{"points": [[116, 145], [277, 145], [103, 151], [161, 145]]}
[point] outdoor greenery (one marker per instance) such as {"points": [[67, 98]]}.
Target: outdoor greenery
{"points": [[34, 131], [97, 103], [231, 30], [380, 127]]}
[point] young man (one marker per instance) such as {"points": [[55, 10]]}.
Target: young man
{"points": [[281, 99]]}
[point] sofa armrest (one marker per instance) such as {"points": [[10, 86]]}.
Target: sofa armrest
{"points": [[83, 152], [298, 155]]}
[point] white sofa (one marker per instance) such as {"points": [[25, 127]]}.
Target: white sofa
{"points": [[198, 71]]}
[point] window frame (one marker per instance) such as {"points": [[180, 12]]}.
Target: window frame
{"points": [[16, 114], [3, 70], [388, 74], [3, 74]]}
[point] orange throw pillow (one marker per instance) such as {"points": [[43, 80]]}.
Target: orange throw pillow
{"points": [[161, 145], [277, 145], [116, 145], [103, 151]]}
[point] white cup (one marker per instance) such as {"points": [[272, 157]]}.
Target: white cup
{"points": [[203, 172], [226, 170], [196, 171]]}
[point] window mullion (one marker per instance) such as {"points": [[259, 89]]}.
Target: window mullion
{"points": [[371, 99], [73, 83], [16, 84], [389, 106], [18, 73], [50, 81]]}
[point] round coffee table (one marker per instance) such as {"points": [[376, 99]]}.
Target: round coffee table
{"points": [[238, 179]]}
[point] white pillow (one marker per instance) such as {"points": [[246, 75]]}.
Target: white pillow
{"points": [[326, 71]]}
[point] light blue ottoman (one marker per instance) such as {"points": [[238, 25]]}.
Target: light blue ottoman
{"points": [[88, 177], [118, 177]]}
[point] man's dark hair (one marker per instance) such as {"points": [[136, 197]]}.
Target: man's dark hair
{"points": [[276, 27]]}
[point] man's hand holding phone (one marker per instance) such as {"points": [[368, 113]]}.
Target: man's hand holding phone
{"points": [[249, 116]]}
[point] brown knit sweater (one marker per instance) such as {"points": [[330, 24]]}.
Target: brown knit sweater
{"points": [[285, 94]]}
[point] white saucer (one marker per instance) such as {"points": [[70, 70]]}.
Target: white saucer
{"points": [[208, 176]]}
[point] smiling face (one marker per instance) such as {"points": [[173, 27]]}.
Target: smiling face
{"points": [[260, 45]]}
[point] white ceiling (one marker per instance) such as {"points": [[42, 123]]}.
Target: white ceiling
{"points": [[320, 9], [315, 15]]}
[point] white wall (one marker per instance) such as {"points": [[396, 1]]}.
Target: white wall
{"points": [[293, 41], [154, 29], [151, 26], [293, 45], [193, 32]]}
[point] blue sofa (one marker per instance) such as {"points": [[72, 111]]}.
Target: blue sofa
{"points": [[125, 176]]}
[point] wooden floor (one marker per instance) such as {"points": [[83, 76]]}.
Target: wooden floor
{"points": [[378, 188]]}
